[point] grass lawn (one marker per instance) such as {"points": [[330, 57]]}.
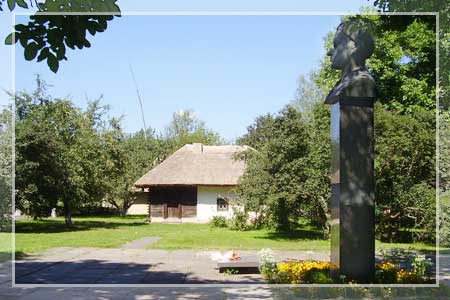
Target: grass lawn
{"points": [[107, 232]]}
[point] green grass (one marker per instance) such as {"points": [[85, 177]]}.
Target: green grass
{"points": [[108, 232]]}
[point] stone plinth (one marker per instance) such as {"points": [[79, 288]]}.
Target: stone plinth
{"points": [[352, 185]]}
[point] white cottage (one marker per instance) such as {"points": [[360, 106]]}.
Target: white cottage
{"points": [[193, 184]]}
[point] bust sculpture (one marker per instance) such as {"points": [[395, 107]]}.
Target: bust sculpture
{"points": [[352, 158], [351, 47]]}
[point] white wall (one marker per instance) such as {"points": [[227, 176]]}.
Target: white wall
{"points": [[140, 206], [207, 201]]}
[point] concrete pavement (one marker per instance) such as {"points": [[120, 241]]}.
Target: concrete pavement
{"points": [[110, 267]]}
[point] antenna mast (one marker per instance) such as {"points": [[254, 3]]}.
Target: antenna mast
{"points": [[140, 100]]}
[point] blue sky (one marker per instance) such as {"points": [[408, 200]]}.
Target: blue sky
{"points": [[228, 69]]}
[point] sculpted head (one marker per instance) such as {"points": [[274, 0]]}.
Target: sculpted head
{"points": [[351, 47]]}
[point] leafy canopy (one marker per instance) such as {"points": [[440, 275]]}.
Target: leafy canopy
{"points": [[47, 36]]}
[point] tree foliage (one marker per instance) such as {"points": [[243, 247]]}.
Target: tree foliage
{"points": [[127, 157], [186, 128], [403, 63], [47, 36], [405, 174], [5, 168], [74, 158], [404, 69], [443, 8], [286, 170], [57, 154]]}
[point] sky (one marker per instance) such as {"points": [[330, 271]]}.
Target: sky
{"points": [[228, 69]]}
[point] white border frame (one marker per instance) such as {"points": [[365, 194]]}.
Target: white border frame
{"points": [[229, 13]]}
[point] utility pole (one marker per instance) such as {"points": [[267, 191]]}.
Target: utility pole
{"points": [[140, 100]]}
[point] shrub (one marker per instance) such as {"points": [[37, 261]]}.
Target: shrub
{"points": [[267, 265], [445, 220], [218, 221], [387, 272], [409, 277], [239, 220], [421, 265]]}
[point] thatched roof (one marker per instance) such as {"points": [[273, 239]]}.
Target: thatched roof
{"points": [[197, 164]]}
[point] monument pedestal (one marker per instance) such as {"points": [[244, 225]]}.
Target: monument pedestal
{"points": [[352, 186]]}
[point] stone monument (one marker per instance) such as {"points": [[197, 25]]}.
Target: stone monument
{"points": [[352, 158]]}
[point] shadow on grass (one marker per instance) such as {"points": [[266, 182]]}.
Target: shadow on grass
{"points": [[7, 256], [296, 234], [57, 226]]}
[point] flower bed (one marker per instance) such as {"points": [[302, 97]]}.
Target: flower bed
{"points": [[387, 272], [320, 272], [305, 272]]}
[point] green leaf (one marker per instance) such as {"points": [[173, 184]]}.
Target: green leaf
{"points": [[11, 4], [52, 63], [31, 50], [23, 41], [9, 39], [86, 43], [22, 3], [61, 51], [44, 54], [20, 27]]}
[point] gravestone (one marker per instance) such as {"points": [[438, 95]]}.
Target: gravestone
{"points": [[352, 157]]}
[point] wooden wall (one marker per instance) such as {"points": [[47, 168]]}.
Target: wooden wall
{"points": [[173, 201]]}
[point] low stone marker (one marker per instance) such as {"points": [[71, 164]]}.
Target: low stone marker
{"points": [[244, 265]]}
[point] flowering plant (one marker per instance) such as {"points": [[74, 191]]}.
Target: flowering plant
{"points": [[305, 272], [387, 272], [267, 265]]}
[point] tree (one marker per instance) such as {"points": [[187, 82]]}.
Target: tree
{"points": [[127, 158], [404, 126], [284, 175], [308, 94], [444, 96], [403, 63], [46, 36], [405, 174], [57, 154], [186, 128], [444, 35], [5, 168]]}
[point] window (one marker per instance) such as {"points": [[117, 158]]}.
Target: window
{"points": [[222, 204]]}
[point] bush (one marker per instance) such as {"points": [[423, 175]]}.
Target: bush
{"points": [[445, 220], [239, 220], [267, 265], [387, 273], [218, 221]]}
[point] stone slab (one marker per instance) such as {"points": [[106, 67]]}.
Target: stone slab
{"points": [[244, 265]]}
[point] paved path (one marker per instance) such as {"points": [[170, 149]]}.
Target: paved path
{"points": [[142, 243], [134, 266], [56, 257]]}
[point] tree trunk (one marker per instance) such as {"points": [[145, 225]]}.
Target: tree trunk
{"points": [[123, 212], [125, 206], [67, 214]]}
